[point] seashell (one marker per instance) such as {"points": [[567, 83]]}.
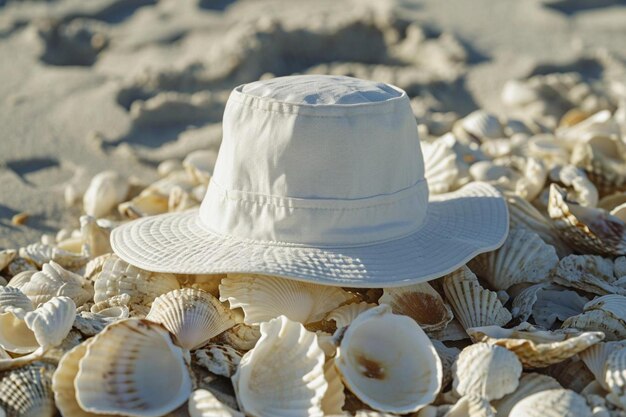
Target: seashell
{"points": [[265, 297], [52, 281], [600, 161], [11, 297], [218, 359], [582, 190], [199, 165], [530, 185], [118, 277], [334, 397], [94, 266], [588, 273], [453, 332], [523, 257], [346, 314], [586, 229], [473, 305], [571, 374], [471, 405], [94, 236], [27, 391], [148, 203], [596, 356], [202, 403], [90, 324], [105, 191], [546, 148], [606, 314], [241, 336], [209, 283], [447, 355], [612, 201], [123, 368], [489, 171], [440, 166], [485, 370], [381, 351], [169, 166], [39, 254], [529, 384], [180, 200], [552, 403], [264, 388], [547, 304], [115, 307], [6, 257], [420, 302], [615, 376], [598, 125], [481, 125], [536, 348], [192, 316], [17, 266]]}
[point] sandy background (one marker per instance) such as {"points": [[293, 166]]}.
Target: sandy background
{"points": [[124, 84]]}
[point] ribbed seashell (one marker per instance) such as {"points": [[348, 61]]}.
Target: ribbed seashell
{"points": [[192, 316], [52, 281], [94, 266], [582, 190], [485, 370], [118, 277], [611, 303], [552, 403], [209, 282], [447, 355], [615, 376], [595, 358], [536, 348], [263, 297], [115, 307], [603, 166], [17, 266], [420, 302], [148, 203], [334, 397], [547, 304], [471, 405], [39, 254], [27, 391], [482, 125], [6, 256], [613, 328], [11, 297], [202, 403], [132, 368], [473, 305], [529, 384], [199, 165], [105, 191], [589, 273], [523, 257], [94, 236], [440, 166], [586, 229], [265, 389], [241, 336], [380, 352], [218, 359], [344, 315]]}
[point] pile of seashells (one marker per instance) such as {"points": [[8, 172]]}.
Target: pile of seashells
{"points": [[535, 328]]}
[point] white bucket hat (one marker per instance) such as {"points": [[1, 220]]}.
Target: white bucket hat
{"points": [[320, 179]]}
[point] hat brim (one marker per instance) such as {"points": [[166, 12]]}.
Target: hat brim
{"points": [[458, 226]]}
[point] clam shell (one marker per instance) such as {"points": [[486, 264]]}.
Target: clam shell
{"points": [[524, 257], [27, 391], [440, 166], [123, 371], [105, 191], [473, 305], [552, 403], [380, 352], [588, 273], [344, 315], [39, 254], [615, 376], [471, 405], [6, 257], [420, 302], [536, 348], [202, 403], [529, 384], [15, 336], [265, 297], [284, 373], [11, 297], [595, 358], [52, 281], [149, 203], [488, 371], [334, 398], [192, 316], [218, 359]]}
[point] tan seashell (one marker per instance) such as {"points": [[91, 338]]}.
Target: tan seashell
{"points": [[6, 257], [148, 203], [552, 403], [547, 304], [334, 397], [209, 283], [39, 254], [192, 316], [440, 166], [529, 384], [27, 391], [94, 266], [180, 200], [523, 257], [488, 371], [346, 314], [199, 165], [595, 358], [241, 336], [265, 389], [588, 273], [473, 305], [599, 159], [615, 376], [123, 368], [168, 166], [105, 191], [263, 297], [94, 236], [17, 266], [52, 281], [202, 403], [218, 359], [381, 351], [471, 405], [536, 348], [420, 302]]}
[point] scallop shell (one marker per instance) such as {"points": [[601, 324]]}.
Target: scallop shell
{"points": [[588, 273], [473, 305], [264, 297], [203, 403], [380, 352], [547, 304], [11, 297], [95, 237], [334, 398], [440, 166], [284, 373], [552, 403], [586, 229], [346, 314], [52, 281], [105, 191], [471, 405], [39, 254], [218, 359], [595, 358], [529, 384], [420, 302], [606, 171], [523, 257], [536, 348], [615, 376], [123, 371], [241, 336], [486, 370], [27, 391], [482, 125], [606, 314], [192, 316], [6, 257]]}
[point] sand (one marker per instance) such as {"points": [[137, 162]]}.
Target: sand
{"points": [[126, 84]]}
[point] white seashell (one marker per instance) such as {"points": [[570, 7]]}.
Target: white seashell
{"points": [[523, 257], [149, 203], [488, 371], [595, 358], [115, 307], [15, 336], [613, 327], [6, 257], [264, 297], [52, 281], [203, 403], [334, 398], [588, 273], [192, 316], [380, 352], [52, 321], [199, 165], [123, 371], [583, 191], [168, 166], [530, 185], [615, 376], [209, 283], [611, 303], [473, 305], [600, 124], [480, 124], [265, 388], [27, 391], [241, 336], [471, 405], [106, 190], [440, 166], [39, 254], [546, 148], [94, 236], [453, 332], [448, 356], [552, 403], [420, 302], [488, 171], [529, 384], [11, 297], [218, 359], [547, 304], [346, 314]]}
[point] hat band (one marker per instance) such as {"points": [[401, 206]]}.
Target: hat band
{"points": [[319, 222]]}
